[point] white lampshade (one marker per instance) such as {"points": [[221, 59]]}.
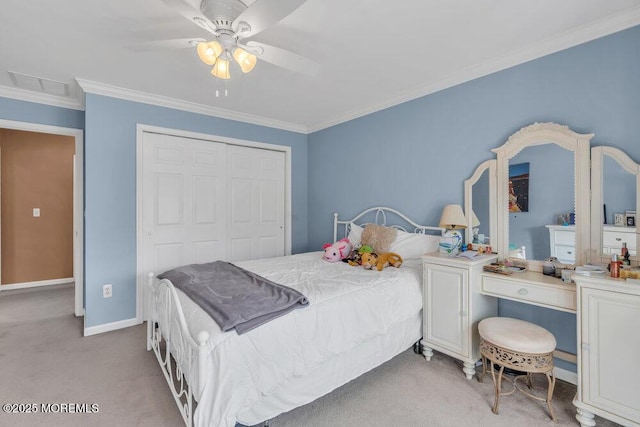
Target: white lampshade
{"points": [[245, 59], [453, 217], [208, 52], [221, 69]]}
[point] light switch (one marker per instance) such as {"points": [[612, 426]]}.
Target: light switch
{"points": [[36, 212]]}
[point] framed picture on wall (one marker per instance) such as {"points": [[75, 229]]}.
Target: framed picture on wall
{"points": [[630, 219], [519, 187]]}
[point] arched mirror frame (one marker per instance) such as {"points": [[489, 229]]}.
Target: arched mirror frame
{"points": [[490, 166], [539, 134], [597, 197]]}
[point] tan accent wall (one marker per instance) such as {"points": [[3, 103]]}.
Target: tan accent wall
{"points": [[37, 172]]}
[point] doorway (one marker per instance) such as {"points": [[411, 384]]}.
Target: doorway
{"points": [[20, 276]]}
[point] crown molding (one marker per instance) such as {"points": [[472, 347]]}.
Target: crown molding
{"points": [[626, 19], [178, 104], [41, 98]]}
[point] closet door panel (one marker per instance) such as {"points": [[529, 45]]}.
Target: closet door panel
{"points": [[183, 207], [256, 190]]}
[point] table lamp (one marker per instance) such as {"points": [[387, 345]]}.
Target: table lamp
{"points": [[453, 220]]}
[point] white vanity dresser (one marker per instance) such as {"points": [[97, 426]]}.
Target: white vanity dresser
{"points": [[608, 350], [607, 310]]}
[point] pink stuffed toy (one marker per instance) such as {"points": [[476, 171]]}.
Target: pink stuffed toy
{"points": [[337, 251]]}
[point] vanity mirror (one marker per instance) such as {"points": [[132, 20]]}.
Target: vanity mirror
{"points": [[541, 195], [561, 166], [615, 182], [479, 205]]}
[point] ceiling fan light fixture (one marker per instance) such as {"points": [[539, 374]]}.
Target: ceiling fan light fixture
{"points": [[221, 69], [208, 52], [245, 59]]}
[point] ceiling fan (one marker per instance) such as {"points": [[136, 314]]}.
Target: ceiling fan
{"points": [[233, 25]]}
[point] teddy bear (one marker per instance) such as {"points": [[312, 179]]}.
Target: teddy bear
{"points": [[380, 261], [334, 252]]}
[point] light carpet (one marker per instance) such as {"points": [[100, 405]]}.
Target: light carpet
{"points": [[45, 360]]}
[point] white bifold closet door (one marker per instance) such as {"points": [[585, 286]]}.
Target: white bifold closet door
{"points": [[256, 203], [204, 201]]}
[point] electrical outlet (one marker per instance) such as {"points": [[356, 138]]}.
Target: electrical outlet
{"points": [[107, 291]]}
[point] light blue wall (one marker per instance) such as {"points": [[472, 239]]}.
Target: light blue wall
{"points": [[30, 112], [415, 156], [110, 192]]}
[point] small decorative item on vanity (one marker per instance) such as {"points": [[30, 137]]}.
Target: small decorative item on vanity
{"points": [[630, 218], [549, 267], [624, 254], [453, 220], [618, 220], [614, 267]]}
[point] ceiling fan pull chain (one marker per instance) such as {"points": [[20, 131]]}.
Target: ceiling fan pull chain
{"points": [[226, 92]]}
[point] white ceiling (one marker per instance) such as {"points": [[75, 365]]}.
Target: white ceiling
{"points": [[373, 54]]}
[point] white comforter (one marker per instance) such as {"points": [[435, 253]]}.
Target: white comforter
{"points": [[348, 306]]}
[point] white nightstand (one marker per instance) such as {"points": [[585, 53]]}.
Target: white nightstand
{"points": [[453, 306]]}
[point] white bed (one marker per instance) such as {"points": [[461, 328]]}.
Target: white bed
{"points": [[357, 319]]}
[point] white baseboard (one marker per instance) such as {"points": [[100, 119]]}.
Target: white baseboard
{"points": [[120, 324], [14, 286], [564, 375]]}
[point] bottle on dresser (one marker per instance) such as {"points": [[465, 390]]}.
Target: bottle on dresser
{"points": [[614, 266], [624, 254]]}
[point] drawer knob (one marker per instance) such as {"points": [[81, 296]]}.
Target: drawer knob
{"points": [[569, 252], [523, 291], [618, 239]]}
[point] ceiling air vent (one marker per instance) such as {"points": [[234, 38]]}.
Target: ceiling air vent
{"points": [[39, 84]]}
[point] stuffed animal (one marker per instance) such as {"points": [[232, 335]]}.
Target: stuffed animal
{"points": [[355, 256], [369, 260], [380, 261], [336, 251]]}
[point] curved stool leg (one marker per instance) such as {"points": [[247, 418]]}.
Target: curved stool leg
{"points": [[498, 385], [551, 378], [484, 370]]}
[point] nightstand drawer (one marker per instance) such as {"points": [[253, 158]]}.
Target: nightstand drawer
{"points": [[566, 254], [567, 238], [614, 240], [561, 297]]}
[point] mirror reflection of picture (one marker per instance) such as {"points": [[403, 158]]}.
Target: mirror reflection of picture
{"points": [[519, 187]]}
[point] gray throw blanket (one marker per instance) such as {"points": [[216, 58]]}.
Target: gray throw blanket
{"points": [[234, 297]]}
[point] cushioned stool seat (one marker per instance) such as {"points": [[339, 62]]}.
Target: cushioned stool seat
{"points": [[519, 345]]}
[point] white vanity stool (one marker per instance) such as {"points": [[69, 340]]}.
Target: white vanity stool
{"points": [[519, 345]]}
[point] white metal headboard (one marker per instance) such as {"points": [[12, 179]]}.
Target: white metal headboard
{"points": [[379, 216]]}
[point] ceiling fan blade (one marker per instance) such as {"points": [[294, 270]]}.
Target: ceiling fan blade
{"points": [[186, 9], [264, 13], [283, 58], [165, 44]]}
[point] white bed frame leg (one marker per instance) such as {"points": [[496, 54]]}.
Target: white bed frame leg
{"points": [[203, 353]]}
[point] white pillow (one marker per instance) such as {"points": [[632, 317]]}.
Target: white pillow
{"points": [[412, 245], [355, 234]]}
